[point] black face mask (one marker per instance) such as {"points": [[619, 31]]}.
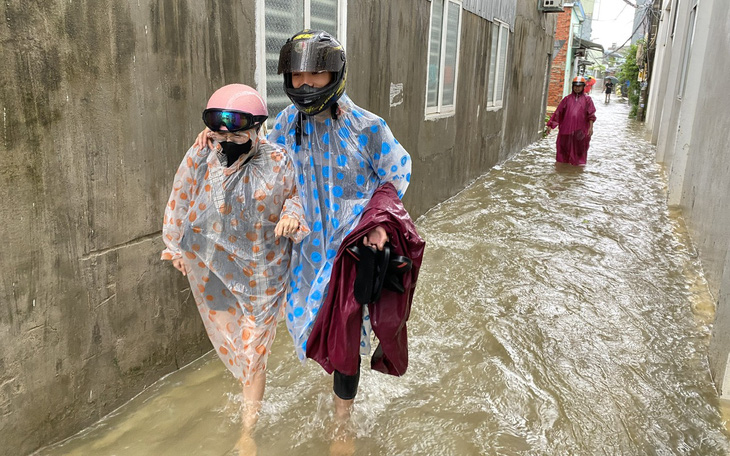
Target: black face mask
{"points": [[233, 150], [307, 93]]}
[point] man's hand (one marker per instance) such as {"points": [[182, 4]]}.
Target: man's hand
{"points": [[203, 140], [286, 226], [180, 265], [590, 130], [377, 237]]}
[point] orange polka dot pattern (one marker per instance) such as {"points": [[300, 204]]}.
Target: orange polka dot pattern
{"points": [[221, 222]]}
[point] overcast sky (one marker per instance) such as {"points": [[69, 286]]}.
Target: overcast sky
{"points": [[613, 22]]}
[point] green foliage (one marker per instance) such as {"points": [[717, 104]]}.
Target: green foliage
{"points": [[630, 72]]}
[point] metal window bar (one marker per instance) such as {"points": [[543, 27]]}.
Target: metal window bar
{"points": [[283, 18]]}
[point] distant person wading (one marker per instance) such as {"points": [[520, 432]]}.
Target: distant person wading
{"points": [[575, 115]]}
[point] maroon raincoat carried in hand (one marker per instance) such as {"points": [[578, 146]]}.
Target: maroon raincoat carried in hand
{"points": [[335, 339], [574, 114]]}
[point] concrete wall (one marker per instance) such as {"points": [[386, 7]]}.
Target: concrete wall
{"points": [[694, 146], [100, 101], [448, 152]]}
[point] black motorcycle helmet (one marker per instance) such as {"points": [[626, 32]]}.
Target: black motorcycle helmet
{"points": [[313, 51]]}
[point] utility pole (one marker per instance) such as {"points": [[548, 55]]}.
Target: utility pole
{"points": [[653, 14]]}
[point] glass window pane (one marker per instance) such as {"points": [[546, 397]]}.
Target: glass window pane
{"points": [[434, 53], [452, 41], [324, 16], [492, 63], [283, 19], [502, 67]]}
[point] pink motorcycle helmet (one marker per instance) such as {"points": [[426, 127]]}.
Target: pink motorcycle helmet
{"points": [[235, 107]]}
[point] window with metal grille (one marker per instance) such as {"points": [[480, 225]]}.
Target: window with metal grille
{"points": [[497, 64], [443, 56], [283, 18]]}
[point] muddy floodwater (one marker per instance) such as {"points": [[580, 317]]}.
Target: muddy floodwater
{"points": [[559, 311]]}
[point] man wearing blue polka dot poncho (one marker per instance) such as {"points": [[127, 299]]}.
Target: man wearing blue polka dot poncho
{"points": [[342, 154]]}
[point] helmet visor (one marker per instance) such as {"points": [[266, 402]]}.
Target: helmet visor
{"points": [[311, 56], [216, 119]]}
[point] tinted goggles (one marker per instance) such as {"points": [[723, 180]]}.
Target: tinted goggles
{"points": [[233, 120]]}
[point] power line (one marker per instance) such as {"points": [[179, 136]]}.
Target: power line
{"points": [[641, 22]]}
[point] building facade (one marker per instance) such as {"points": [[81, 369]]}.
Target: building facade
{"points": [[563, 68], [687, 119]]}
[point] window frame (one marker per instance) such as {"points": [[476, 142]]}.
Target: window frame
{"points": [[440, 110], [260, 72], [497, 101]]}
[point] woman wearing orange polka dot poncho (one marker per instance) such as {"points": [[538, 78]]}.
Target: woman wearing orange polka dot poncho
{"points": [[229, 225]]}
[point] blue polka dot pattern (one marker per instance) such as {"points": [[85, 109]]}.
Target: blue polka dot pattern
{"points": [[338, 168]]}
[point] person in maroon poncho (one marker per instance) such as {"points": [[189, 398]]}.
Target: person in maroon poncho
{"points": [[575, 115]]}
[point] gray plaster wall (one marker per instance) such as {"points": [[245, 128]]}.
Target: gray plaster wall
{"points": [[100, 100], [694, 146], [706, 190], [387, 45]]}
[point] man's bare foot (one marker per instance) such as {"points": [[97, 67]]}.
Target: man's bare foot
{"points": [[345, 447], [343, 409], [343, 439]]}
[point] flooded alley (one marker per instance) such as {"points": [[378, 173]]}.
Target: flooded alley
{"points": [[559, 310]]}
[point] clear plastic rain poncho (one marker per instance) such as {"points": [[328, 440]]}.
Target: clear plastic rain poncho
{"points": [[339, 164], [220, 221]]}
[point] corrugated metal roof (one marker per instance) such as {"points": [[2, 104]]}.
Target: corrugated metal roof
{"points": [[503, 10]]}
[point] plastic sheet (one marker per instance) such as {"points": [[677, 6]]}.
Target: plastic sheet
{"points": [[221, 221]]}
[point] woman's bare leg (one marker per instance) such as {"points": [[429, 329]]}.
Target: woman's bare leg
{"points": [[253, 394]]}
